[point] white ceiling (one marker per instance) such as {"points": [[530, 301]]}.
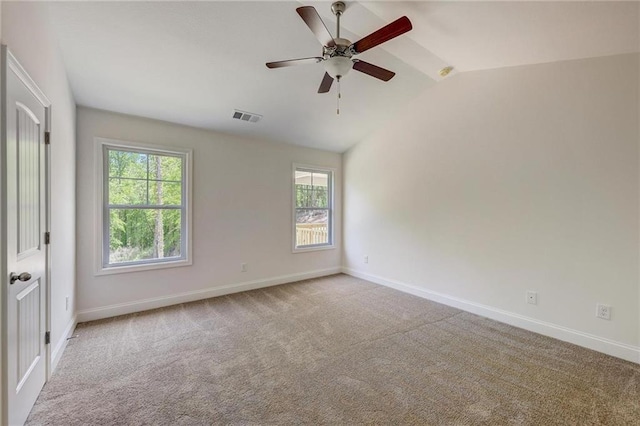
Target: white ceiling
{"points": [[194, 62]]}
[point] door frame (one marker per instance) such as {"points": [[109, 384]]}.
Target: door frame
{"points": [[9, 63]]}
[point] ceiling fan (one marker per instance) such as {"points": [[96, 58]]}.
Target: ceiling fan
{"points": [[338, 53]]}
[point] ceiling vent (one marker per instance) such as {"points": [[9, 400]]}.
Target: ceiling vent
{"points": [[246, 116]]}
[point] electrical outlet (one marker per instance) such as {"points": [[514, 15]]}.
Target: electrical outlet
{"points": [[66, 303], [603, 311], [532, 297], [243, 267], [366, 259]]}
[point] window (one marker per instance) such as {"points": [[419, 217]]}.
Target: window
{"points": [[313, 205], [145, 214]]}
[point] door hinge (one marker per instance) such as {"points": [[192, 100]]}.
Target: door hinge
{"points": [[47, 138], [47, 237], [47, 337]]}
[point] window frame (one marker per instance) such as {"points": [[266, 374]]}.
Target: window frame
{"points": [[102, 267], [331, 199]]}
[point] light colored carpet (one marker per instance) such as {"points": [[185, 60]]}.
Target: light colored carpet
{"points": [[335, 350]]}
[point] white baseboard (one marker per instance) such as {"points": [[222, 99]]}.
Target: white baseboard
{"points": [[174, 299], [600, 344], [57, 351]]}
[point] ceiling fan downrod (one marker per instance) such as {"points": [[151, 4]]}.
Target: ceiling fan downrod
{"points": [[338, 9]]}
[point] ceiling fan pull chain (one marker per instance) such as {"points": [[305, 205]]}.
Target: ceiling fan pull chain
{"points": [[339, 96]]}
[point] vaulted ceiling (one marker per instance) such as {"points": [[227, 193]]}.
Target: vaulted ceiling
{"points": [[194, 62]]}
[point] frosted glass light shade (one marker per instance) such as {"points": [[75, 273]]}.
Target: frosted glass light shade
{"points": [[338, 66]]}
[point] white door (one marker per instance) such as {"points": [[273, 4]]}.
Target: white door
{"points": [[26, 250]]}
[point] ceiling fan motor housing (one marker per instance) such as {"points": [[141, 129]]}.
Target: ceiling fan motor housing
{"points": [[337, 61]]}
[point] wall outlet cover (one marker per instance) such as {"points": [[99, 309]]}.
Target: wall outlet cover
{"points": [[603, 311]]}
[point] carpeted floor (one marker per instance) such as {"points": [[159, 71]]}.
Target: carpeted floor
{"points": [[335, 350]]}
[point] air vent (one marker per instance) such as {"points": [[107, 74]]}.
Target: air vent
{"points": [[246, 116]]}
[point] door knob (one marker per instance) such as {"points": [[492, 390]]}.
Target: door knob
{"points": [[25, 276]]}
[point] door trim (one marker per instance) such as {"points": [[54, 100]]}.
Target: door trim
{"points": [[9, 63]]}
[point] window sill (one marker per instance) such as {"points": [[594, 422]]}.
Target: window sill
{"points": [[313, 248], [143, 267]]}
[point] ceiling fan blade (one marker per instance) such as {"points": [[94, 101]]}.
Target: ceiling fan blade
{"points": [[327, 81], [373, 70], [291, 62], [386, 33], [310, 17]]}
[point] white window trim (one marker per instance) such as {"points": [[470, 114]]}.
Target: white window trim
{"points": [[332, 221], [100, 269]]}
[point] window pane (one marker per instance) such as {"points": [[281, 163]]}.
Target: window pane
{"points": [[127, 191], [127, 164], [165, 193], [164, 167], [312, 196], [144, 234], [320, 179], [304, 195], [320, 196], [312, 189], [312, 227], [303, 178]]}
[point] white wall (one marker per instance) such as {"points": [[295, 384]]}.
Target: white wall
{"points": [[242, 213], [638, 122], [27, 32], [497, 182], [2, 272]]}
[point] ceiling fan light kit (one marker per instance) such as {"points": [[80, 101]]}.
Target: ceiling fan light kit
{"points": [[338, 66], [338, 53]]}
